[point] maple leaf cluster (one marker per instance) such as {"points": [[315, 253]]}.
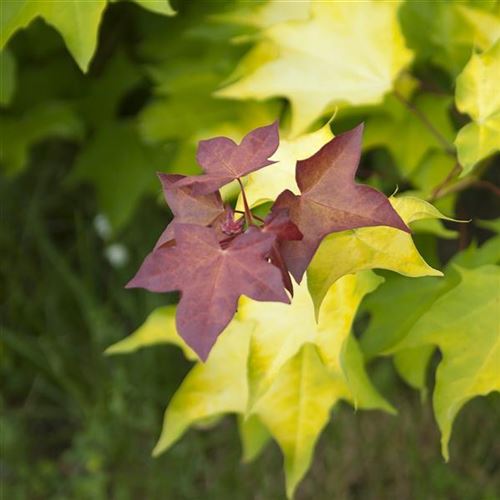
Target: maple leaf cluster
{"points": [[213, 255]]}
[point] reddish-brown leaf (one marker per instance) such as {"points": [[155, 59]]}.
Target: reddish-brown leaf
{"points": [[331, 201], [211, 279], [224, 161], [187, 207], [278, 223]]}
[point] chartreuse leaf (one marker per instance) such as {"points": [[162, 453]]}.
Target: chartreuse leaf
{"points": [[414, 298], [8, 77], [394, 119], [411, 364], [369, 248], [477, 95], [253, 435], [46, 120], [159, 328], [463, 324], [104, 93], [296, 408], [297, 405], [266, 14], [344, 53], [487, 253], [492, 225], [432, 171], [157, 6], [323, 358], [77, 21], [212, 388], [457, 27], [266, 184], [122, 169], [305, 368], [281, 330]]}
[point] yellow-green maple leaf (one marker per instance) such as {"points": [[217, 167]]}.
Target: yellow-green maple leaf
{"points": [[296, 408], [297, 405], [345, 53], [157, 6], [369, 248], [253, 436], [266, 14], [330, 356], [8, 80], [464, 324], [477, 95], [77, 20], [281, 329], [266, 184], [210, 389], [408, 140], [457, 27], [159, 328]]}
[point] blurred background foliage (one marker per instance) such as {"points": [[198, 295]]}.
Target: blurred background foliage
{"points": [[80, 209]]}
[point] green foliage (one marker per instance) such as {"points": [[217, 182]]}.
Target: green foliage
{"points": [[77, 21], [8, 80], [96, 97], [477, 95]]}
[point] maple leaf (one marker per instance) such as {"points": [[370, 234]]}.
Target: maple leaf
{"points": [[211, 279], [77, 21], [371, 248], [342, 53], [331, 201], [254, 436], [266, 184], [278, 223], [395, 119], [210, 389], [224, 161], [477, 94], [313, 367], [187, 207], [463, 323], [280, 331], [159, 328], [458, 28]]}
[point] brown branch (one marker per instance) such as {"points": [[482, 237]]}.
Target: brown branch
{"points": [[436, 192], [480, 184]]}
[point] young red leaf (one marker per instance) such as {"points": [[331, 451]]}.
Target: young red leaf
{"points": [[224, 161], [211, 279], [331, 201], [278, 223], [229, 225], [187, 207]]}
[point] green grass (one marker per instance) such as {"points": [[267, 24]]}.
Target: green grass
{"points": [[78, 425]]}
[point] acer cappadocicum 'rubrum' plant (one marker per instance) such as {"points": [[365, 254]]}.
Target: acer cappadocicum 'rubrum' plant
{"points": [[271, 283], [213, 259], [225, 262]]}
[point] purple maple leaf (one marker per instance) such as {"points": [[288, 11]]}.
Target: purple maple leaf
{"points": [[211, 279], [224, 161], [331, 201], [187, 207]]}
